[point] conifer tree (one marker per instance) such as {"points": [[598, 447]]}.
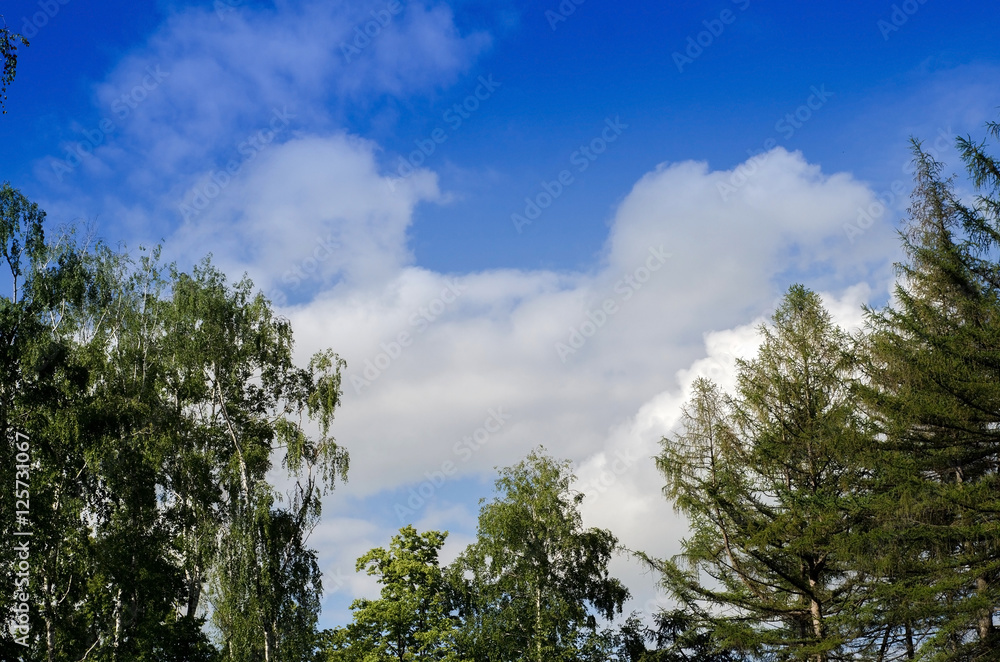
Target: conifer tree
{"points": [[766, 478], [934, 386]]}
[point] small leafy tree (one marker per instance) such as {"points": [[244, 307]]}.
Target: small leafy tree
{"points": [[413, 619], [535, 580]]}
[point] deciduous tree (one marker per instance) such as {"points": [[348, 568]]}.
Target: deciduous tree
{"points": [[535, 580], [413, 618]]}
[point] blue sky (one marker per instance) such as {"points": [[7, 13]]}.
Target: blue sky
{"points": [[684, 161]]}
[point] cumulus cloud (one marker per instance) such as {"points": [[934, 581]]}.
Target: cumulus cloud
{"points": [[306, 213], [621, 482], [569, 355], [594, 365]]}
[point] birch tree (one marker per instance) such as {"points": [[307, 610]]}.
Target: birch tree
{"points": [[535, 580]]}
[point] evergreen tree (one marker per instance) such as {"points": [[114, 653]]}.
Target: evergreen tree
{"points": [[680, 635], [766, 478], [934, 385]]}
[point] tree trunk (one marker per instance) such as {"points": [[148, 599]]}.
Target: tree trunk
{"points": [[985, 625], [118, 625], [50, 632], [194, 593], [816, 609], [885, 645], [268, 643], [538, 623]]}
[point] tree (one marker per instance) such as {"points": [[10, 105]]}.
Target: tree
{"points": [[412, 620], [765, 477], [47, 327], [154, 407], [535, 580], [8, 51], [245, 402], [683, 636], [934, 385]]}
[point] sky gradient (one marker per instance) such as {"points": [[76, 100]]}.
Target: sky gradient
{"points": [[520, 223]]}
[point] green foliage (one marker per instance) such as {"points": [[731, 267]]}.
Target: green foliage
{"points": [[535, 580], [682, 635], [22, 241], [49, 328], [843, 500], [766, 477], [934, 387], [412, 619], [8, 52], [230, 370], [156, 402]]}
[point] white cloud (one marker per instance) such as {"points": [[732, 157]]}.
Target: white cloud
{"points": [[206, 86], [621, 480], [494, 343], [308, 212], [487, 340], [593, 364]]}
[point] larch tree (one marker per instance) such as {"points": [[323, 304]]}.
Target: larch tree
{"points": [[766, 477]]}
